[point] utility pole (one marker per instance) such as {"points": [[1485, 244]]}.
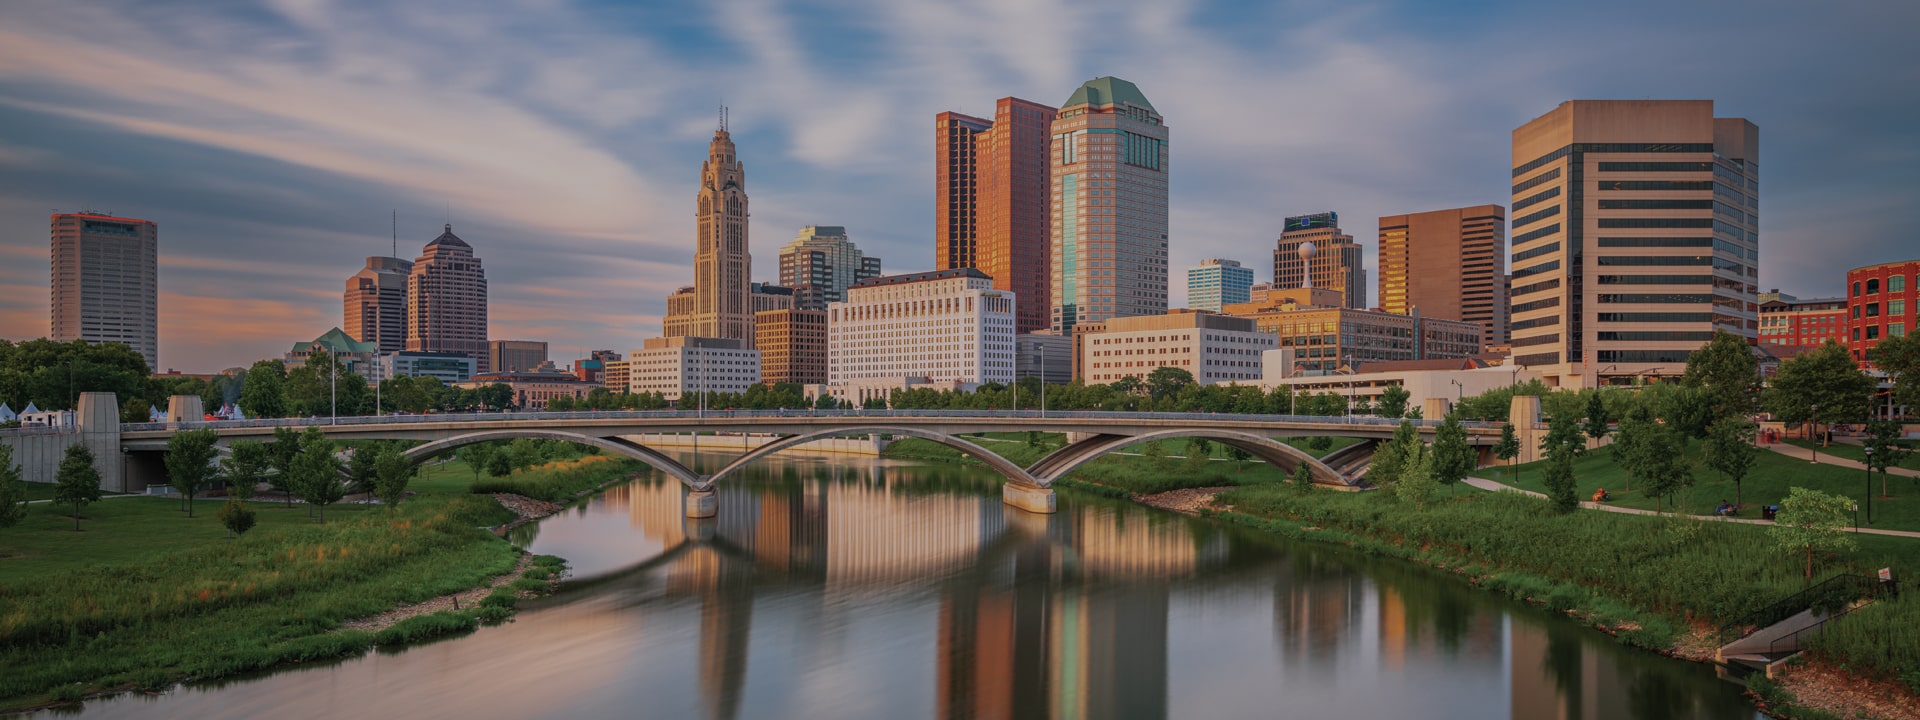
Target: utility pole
{"points": [[333, 389]]}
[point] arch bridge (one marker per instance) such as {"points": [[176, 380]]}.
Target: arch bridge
{"points": [[1091, 434]]}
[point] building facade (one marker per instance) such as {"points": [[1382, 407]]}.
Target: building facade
{"points": [[1214, 348], [991, 200], [447, 300], [106, 282], [1325, 339], [532, 390], [772, 297], [944, 325], [1043, 355], [1883, 301], [515, 355], [1792, 325], [593, 367], [792, 345], [353, 355], [687, 366], [1634, 237], [722, 266], [1109, 161], [1448, 263], [821, 263], [449, 367], [375, 303], [1313, 252], [1215, 282]]}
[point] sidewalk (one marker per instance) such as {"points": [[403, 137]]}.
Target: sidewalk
{"points": [[1795, 451], [1490, 485]]}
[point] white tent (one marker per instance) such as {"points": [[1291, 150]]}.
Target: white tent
{"points": [[7, 414], [155, 415]]}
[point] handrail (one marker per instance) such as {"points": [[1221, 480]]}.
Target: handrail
{"points": [[1842, 589]]}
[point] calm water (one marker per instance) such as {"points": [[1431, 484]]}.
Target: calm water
{"points": [[858, 588]]}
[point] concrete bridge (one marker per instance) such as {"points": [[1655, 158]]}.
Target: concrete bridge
{"points": [[1092, 434]]}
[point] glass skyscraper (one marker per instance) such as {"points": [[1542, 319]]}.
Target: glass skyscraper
{"points": [[1216, 282], [1109, 206]]}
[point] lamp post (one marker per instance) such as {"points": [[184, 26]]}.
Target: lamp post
{"points": [[1814, 419], [1043, 379], [1869, 451]]}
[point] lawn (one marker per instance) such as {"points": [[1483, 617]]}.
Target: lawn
{"points": [[128, 530], [1766, 484], [1852, 452], [1125, 469]]}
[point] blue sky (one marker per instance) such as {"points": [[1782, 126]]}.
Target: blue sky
{"points": [[270, 140]]}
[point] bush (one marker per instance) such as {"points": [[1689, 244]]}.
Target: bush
{"points": [[561, 480], [423, 627], [500, 598]]}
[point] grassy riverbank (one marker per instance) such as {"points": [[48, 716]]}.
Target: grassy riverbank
{"points": [[1127, 470], [146, 596]]}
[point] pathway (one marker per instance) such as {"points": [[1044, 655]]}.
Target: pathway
{"points": [[1795, 451], [1490, 485]]}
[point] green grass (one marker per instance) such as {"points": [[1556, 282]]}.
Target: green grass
{"points": [[1766, 484], [1852, 452], [1125, 471], [560, 480], [131, 530]]}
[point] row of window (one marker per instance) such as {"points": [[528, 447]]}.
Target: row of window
{"points": [[1542, 161], [1895, 283], [1656, 335], [1656, 204]]}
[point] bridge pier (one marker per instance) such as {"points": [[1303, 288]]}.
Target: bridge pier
{"points": [[1031, 499], [702, 504]]}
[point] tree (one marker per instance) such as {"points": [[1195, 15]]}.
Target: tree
{"points": [[1393, 456], [1320, 444], [523, 453], [1730, 451], [1888, 450], [1239, 455], [1688, 411], [1509, 447], [1629, 448], [1823, 386], [1416, 483], [479, 457], [1560, 482], [1166, 382], [1659, 465], [1563, 437], [1199, 453], [1393, 402], [1811, 521], [361, 471], [190, 456], [1156, 457], [236, 516], [496, 396], [1453, 458], [1726, 370], [1598, 422], [1899, 357], [77, 482], [13, 490], [263, 394], [1302, 477], [315, 474], [246, 463], [500, 464], [392, 472]]}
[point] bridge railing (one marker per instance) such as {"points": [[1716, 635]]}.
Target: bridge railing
{"points": [[1366, 420]]}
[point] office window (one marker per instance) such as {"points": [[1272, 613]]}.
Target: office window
{"points": [[1873, 286]]}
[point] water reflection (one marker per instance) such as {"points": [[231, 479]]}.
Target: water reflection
{"points": [[837, 587]]}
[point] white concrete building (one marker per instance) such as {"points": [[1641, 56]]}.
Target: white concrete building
{"points": [[1215, 348], [858, 392], [675, 366], [1424, 380], [945, 325]]}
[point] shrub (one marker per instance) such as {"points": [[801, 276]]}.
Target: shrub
{"points": [[423, 627]]}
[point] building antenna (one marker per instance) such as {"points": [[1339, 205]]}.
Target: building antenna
{"points": [[723, 116], [396, 232]]}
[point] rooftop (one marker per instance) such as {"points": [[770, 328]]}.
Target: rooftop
{"points": [[923, 277], [1108, 90], [448, 238], [337, 341]]}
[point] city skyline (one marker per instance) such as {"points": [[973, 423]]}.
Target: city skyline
{"points": [[269, 198]]}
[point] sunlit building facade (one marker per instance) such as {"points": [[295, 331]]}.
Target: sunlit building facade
{"points": [[1109, 206], [106, 282], [991, 201]]}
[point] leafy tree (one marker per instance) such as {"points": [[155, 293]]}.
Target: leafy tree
{"points": [[190, 456], [1394, 455], [1824, 386], [1630, 447], [1811, 521], [479, 457], [392, 472], [825, 402], [1320, 444], [13, 490], [361, 470], [1166, 382], [264, 393], [1899, 357], [246, 463], [1157, 457], [316, 476], [285, 447], [1199, 453], [500, 464], [873, 403], [1302, 477], [1560, 482], [1563, 437], [1417, 483], [1730, 451], [1661, 469], [1888, 449], [524, 453], [405, 394], [1598, 421], [54, 374], [1239, 455], [1726, 369], [323, 386], [498, 396], [1688, 411], [1126, 385], [237, 517], [1453, 457], [77, 482], [1509, 447], [1393, 402]]}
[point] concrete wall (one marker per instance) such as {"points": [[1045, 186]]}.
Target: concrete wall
{"points": [[98, 427]]}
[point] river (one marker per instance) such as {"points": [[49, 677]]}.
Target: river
{"points": [[839, 587]]}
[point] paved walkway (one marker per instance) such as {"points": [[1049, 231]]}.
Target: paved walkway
{"points": [[1795, 451], [1485, 484]]}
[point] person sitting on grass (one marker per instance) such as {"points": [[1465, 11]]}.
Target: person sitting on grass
{"points": [[1600, 495]]}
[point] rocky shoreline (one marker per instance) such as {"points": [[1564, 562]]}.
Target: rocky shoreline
{"points": [[528, 510]]}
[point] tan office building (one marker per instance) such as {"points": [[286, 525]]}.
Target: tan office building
{"points": [[106, 285], [721, 303], [447, 300], [676, 366], [1215, 348], [375, 303], [1448, 263], [792, 345], [1110, 162], [1326, 338], [991, 199], [1634, 237], [1313, 252], [505, 356]]}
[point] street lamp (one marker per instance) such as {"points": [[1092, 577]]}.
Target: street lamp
{"points": [[1814, 419], [1869, 451]]}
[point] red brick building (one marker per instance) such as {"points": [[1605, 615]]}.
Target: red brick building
{"points": [[1882, 301], [1790, 322], [992, 202]]}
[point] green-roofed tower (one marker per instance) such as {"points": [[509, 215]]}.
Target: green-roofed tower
{"points": [[1109, 197]]}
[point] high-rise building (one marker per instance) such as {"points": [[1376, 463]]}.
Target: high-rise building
{"points": [[766, 296], [941, 325], [792, 344], [1633, 237], [1448, 263], [1883, 301], [1313, 252], [515, 355], [677, 366], [1110, 163], [1216, 282], [722, 265], [821, 263], [991, 200], [447, 300], [106, 285], [376, 303]]}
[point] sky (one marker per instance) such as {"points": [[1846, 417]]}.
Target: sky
{"points": [[273, 141]]}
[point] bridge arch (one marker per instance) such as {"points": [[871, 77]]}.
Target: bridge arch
{"points": [[1007, 468], [653, 458], [1281, 455]]}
